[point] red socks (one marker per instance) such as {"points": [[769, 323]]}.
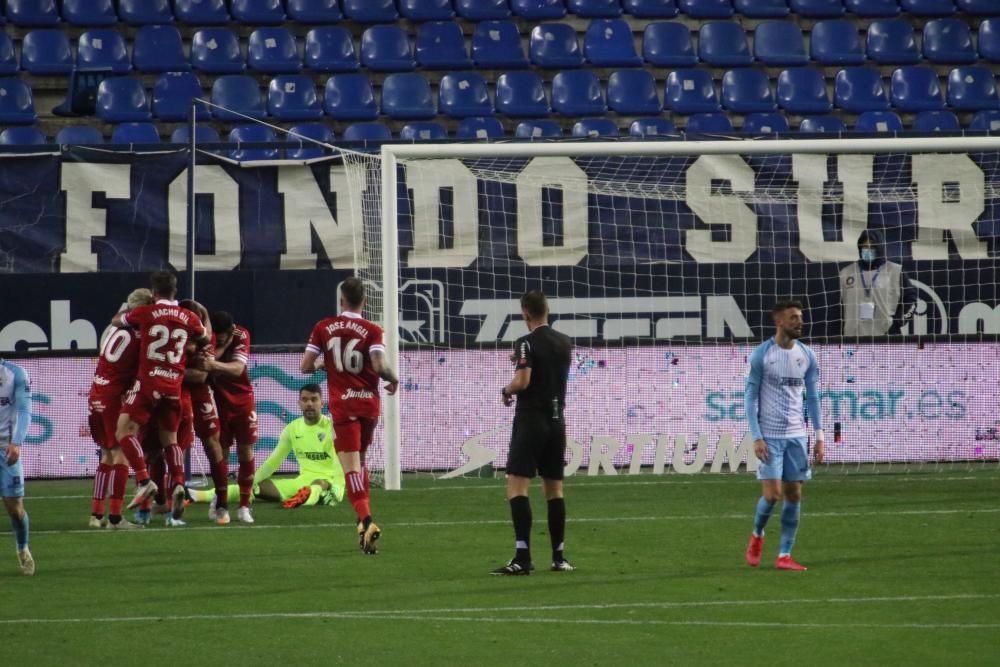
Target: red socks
{"points": [[245, 479], [220, 477], [101, 479], [357, 493], [119, 480], [175, 465], [132, 449]]}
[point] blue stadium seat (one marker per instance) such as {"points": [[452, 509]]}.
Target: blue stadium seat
{"points": [[948, 41], [986, 121], [822, 124], [203, 134], [577, 93], [723, 44], [89, 13], [253, 134], [595, 128], [535, 10], [370, 11], [172, 95], [407, 95], [349, 97], [122, 99], [158, 48], [386, 48], [201, 12], [651, 127], [22, 136], [928, 7], [779, 43], [427, 10], [979, 7], [482, 10], [46, 52], [873, 8], [217, 51], [609, 43], [595, 9], [651, 9], [936, 121], [441, 45], [709, 123], [538, 129], [8, 60], [480, 127], [257, 12], [145, 12], [858, 89], [765, 123], [426, 130], [747, 91], [521, 94], [668, 44], [238, 93], [632, 92], [273, 50], [802, 90], [972, 88], [330, 49], [762, 9], [33, 13], [135, 133], [464, 95], [554, 45], [817, 9], [102, 49], [880, 122], [707, 9], [78, 135], [989, 40], [367, 132], [690, 91], [836, 42], [305, 150], [916, 88], [314, 11], [497, 45], [293, 97], [892, 42]]}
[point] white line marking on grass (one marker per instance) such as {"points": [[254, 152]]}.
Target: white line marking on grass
{"points": [[490, 522], [430, 614]]}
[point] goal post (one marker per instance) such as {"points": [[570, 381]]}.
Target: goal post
{"points": [[683, 319]]}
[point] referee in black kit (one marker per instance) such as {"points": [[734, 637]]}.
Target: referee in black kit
{"points": [[538, 439]]}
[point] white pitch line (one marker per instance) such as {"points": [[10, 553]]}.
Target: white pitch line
{"points": [[422, 614], [490, 522]]}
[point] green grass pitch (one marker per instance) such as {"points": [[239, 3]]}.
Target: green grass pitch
{"points": [[903, 570]]}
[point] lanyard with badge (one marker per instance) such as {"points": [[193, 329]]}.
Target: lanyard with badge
{"points": [[866, 308]]}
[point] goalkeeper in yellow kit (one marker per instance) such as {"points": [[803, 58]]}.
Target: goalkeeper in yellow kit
{"points": [[310, 439]]}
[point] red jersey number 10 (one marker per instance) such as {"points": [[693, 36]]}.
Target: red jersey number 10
{"points": [[347, 359]]}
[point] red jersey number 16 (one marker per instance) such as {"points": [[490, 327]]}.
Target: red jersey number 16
{"points": [[347, 359]]}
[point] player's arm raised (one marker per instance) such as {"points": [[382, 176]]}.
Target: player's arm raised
{"points": [[381, 367]]}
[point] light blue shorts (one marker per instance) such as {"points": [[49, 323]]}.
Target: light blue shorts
{"points": [[788, 460], [11, 477]]}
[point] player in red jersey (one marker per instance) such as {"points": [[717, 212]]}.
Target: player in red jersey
{"points": [[237, 406], [354, 356], [166, 330], [115, 373]]}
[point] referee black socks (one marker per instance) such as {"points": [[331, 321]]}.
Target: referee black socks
{"points": [[520, 514], [557, 527]]}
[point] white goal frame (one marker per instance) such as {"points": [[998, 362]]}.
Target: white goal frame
{"points": [[392, 153]]}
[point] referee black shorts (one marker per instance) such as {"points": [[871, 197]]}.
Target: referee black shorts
{"points": [[537, 446]]}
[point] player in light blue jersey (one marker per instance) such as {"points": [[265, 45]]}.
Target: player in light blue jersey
{"points": [[780, 369], [15, 418]]}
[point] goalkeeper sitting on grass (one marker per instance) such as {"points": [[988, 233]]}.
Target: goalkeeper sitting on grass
{"points": [[310, 439]]}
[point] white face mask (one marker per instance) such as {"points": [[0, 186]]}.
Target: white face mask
{"points": [[868, 254]]}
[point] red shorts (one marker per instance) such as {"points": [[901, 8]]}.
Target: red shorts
{"points": [[354, 434], [142, 404], [239, 427], [103, 419], [206, 414]]}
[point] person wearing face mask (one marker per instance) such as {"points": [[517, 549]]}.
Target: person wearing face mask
{"points": [[876, 295]]}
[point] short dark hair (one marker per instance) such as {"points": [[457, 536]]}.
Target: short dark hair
{"points": [[312, 388], [782, 306], [188, 303], [535, 303], [221, 321], [353, 291], [163, 283]]}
